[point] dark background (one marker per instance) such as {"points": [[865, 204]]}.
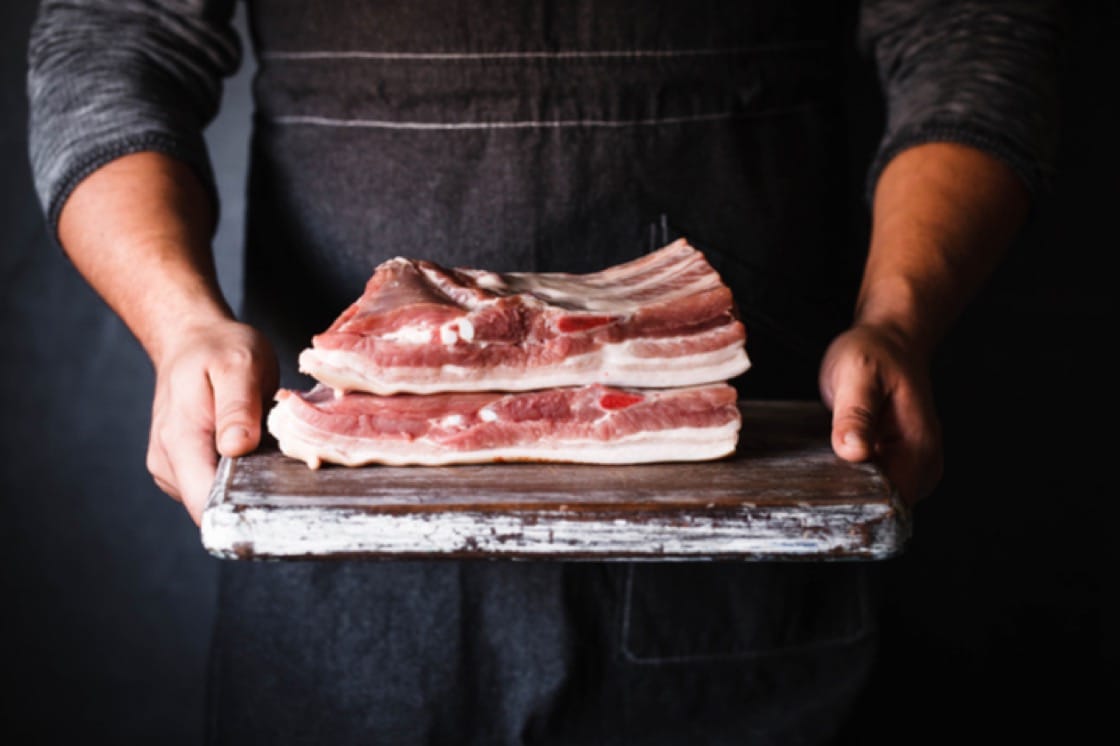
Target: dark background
{"points": [[1002, 616]]}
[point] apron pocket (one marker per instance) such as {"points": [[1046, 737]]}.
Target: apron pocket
{"points": [[695, 612]]}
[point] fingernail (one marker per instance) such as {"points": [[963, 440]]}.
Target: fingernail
{"points": [[853, 440], [232, 437]]}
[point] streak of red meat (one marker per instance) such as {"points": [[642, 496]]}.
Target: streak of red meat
{"points": [[619, 400], [568, 324]]}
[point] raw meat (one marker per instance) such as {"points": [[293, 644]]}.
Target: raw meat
{"points": [[663, 320], [591, 424]]}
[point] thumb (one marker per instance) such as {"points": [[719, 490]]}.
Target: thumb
{"points": [[237, 411], [857, 400]]}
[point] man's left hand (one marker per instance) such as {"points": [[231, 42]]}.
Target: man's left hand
{"points": [[882, 408]]}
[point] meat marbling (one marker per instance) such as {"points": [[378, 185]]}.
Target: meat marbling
{"points": [[588, 424], [663, 320]]}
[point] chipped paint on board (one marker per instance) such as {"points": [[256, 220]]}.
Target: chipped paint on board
{"points": [[784, 494]]}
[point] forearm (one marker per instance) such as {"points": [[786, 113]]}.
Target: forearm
{"points": [[943, 217], [138, 229]]}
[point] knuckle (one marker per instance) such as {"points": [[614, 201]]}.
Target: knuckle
{"points": [[864, 360], [234, 359], [854, 360]]}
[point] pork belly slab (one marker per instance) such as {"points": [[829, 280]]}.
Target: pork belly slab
{"points": [[660, 321], [592, 424]]}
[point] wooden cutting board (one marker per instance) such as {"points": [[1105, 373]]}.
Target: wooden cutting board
{"points": [[784, 494]]}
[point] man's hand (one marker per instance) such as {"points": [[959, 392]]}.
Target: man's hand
{"points": [[212, 382], [139, 230], [943, 216], [882, 408]]}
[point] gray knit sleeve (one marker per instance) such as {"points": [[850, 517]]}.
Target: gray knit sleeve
{"points": [[111, 77], [976, 72]]}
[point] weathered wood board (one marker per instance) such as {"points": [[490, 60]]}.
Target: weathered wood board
{"points": [[784, 494]]}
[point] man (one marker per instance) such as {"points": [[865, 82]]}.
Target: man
{"points": [[534, 137]]}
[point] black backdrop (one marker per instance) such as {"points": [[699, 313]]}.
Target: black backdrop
{"points": [[1003, 612]]}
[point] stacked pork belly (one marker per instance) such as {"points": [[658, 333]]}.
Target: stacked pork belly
{"points": [[436, 366]]}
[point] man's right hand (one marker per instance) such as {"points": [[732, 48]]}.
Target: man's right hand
{"points": [[212, 382], [138, 229]]}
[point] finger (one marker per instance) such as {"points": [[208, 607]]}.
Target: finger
{"points": [[160, 469], [194, 464], [237, 407], [857, 400], [187, 436], [156, 458], [912, 459], [914, 472]]}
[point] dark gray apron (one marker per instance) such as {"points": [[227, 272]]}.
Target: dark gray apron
{"points": [[546, 136]]}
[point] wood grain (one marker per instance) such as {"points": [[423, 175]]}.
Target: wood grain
{"points": [[783, 494]]}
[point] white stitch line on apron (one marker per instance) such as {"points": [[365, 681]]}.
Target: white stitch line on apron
{"points": [[525, 124], [561, 54]]}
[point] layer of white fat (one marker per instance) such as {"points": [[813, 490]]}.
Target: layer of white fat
{"points": [[411, 334], [491, 281], [453, 420], [613, 365], [422, 334], [299, 441], [288, 432]]}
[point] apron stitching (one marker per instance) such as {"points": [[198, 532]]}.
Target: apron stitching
{"points": [[300, 119], [560, 54]]}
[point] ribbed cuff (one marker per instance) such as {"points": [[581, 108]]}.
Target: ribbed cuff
{"points": [[193, 154], [1035, 177]]}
